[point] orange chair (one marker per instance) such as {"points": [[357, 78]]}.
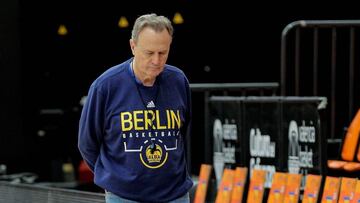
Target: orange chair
{"points": [[331, 190], [357, 192], [347, 190], [292, 189], [239, 184], [348, 149], [278, 186], [201, 189], [312, 188], [226, 186], [257, 186]]}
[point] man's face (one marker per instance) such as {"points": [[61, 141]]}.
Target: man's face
{"points": [[150, 52]]}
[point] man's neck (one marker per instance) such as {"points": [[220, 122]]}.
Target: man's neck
{"points": [[146, 81]]}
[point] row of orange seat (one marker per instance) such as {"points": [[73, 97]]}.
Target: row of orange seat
{"points": [[285, 187]]}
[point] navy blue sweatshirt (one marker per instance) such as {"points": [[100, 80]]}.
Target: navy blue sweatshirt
{"points": [[133, 136]]}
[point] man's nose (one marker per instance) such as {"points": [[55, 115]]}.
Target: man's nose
{"points": [[156, 59]]}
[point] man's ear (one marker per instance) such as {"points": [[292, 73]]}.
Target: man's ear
{"points": [[132, 46]]}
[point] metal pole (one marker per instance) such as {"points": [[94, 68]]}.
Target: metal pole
{"points": [[333, 81], [315, 62], [297, 62], [351, 72]]}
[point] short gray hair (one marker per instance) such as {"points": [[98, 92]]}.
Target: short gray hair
{"points": [[155, 22]]}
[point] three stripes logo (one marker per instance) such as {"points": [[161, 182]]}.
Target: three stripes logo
{"points": [[150, 104]]}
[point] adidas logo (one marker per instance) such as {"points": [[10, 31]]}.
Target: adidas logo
{"points": [[150, 104]]}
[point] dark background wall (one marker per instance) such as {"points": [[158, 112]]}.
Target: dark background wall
{"points": [[11, 125], [44, 75]]}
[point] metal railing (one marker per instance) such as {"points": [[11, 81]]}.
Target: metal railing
{"points": [[323, 33], [27, 193]]}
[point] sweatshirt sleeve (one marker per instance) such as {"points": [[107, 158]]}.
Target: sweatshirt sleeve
{"points": [[189, 109], [91, 127], [186, 129]]}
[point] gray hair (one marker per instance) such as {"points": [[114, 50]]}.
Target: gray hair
{"points": [[155, 22]]}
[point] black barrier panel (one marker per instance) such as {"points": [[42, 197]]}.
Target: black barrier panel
{"points": [[302, 133], [262, 119], [263, 139], [227, 145]]}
